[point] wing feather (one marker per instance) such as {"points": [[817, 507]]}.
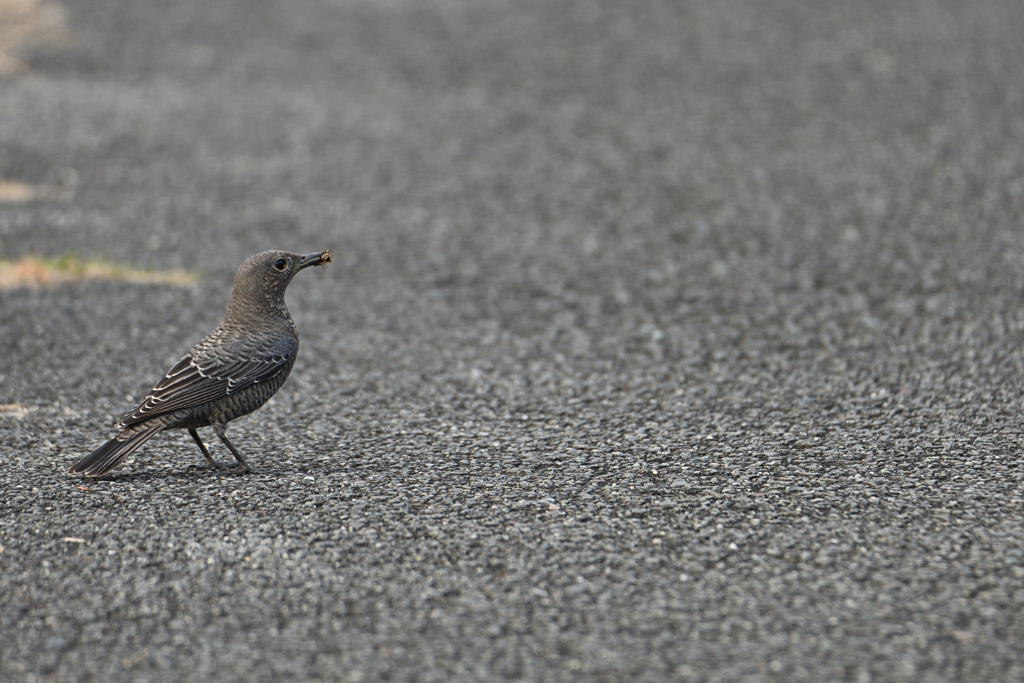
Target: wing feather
{"points": [[193, 382]]}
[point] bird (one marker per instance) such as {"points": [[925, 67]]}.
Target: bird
{"points": [[230, 373]]}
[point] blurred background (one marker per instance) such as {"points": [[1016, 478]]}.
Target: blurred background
{"points": [[710, 312]]}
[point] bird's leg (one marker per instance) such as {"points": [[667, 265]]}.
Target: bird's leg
{"points": [[220, 430], [202, 447]]}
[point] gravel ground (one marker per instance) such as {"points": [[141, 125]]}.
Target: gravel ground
{"points": [[666, 341]]}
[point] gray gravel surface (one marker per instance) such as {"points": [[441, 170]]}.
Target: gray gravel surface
{"points": [[666, 341]]}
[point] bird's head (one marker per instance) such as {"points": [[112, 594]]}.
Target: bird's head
{"points": [[264, 277]]}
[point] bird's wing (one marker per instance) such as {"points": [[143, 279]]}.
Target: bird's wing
{"points": [[214, 373]]}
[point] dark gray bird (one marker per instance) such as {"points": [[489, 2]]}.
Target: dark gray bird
{"points": [[230, 373]]}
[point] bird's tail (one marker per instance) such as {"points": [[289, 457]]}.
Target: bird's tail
{"points": [[112, 453]]}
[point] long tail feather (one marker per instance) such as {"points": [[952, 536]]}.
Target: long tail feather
{"points": [[112, 453]]}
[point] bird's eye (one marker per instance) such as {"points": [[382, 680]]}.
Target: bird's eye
{"points": [[280, 264]]}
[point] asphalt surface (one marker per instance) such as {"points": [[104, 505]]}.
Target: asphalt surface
{"points": [[665, 341]]}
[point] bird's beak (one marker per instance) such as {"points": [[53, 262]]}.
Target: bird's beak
{"points": [[320, 258]]}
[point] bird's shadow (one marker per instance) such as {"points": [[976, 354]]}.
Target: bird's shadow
{"points": [[192, 473]]}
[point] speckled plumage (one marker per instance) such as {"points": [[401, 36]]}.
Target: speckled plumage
{"points": [[230, 373]]}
